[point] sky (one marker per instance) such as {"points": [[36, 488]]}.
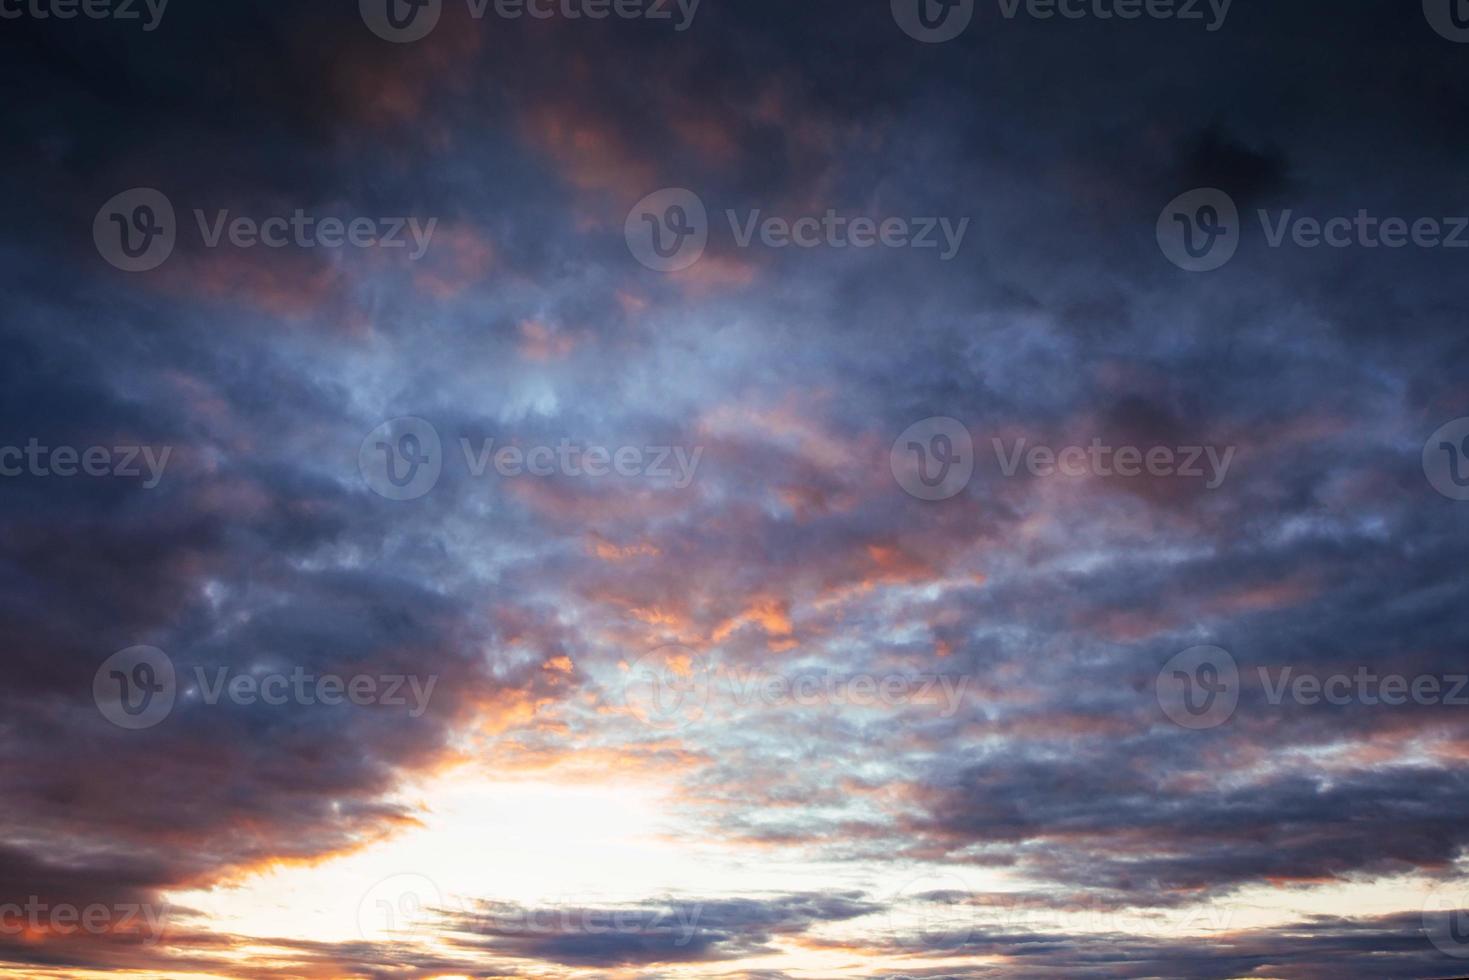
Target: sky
{"points": [[735, 489]]}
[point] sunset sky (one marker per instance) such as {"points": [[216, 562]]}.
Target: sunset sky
{"points": [[770, 650]]}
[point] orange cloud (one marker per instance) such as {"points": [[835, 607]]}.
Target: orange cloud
{"points": [[457, 258], [280, 282], [771, 615], [540, 342], [607, 551], [587, 149]]}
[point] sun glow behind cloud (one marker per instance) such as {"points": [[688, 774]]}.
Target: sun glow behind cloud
{"points": [[517, 841], [566, 845]]}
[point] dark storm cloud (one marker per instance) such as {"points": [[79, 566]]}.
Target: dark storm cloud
{"points": [[1386, 946], [1128, 832], [236, 559], [676, 932]]}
